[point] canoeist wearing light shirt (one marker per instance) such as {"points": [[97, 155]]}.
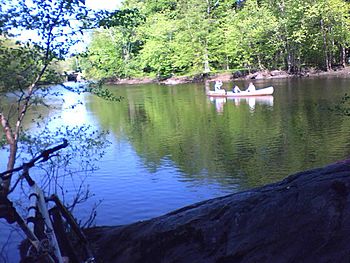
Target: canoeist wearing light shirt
{"points": [[218, 85], [251, 87]]}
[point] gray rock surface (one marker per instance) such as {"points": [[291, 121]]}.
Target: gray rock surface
{"points": [[304, 218]]}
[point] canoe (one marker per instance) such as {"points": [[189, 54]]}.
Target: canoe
{"points": [[258, 92]]}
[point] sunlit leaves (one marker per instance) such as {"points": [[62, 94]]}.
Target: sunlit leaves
{"points": [[25, 66], [17, 63], [123, 18], [163, 38]]}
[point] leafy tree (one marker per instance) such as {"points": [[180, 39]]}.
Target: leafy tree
{"points": [[157, 54], [329, 26], [24, 66], [253, 37], [199, 36], [114, 45], [103, 61]]}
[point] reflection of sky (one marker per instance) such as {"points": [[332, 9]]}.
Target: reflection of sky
{"points": [[123, 181], [70, 109], [130, 192], [73, 110]]}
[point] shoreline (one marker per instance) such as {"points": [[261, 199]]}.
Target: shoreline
{"points": [[238, 75], [298, 219]]}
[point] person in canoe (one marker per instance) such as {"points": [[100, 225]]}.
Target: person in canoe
{"points": [[251, 87], [218, 85], [236, 89]]}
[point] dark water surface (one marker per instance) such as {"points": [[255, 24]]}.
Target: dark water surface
{"points": [[173, 146]]}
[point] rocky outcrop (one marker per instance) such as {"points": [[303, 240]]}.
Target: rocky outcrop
{"points": [[274, 74], [131, 81], [304, 218]]}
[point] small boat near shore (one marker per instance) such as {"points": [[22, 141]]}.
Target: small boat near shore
{"points": [[257, 92]]}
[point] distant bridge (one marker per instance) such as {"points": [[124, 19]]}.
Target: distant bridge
{"points": [[74, 76]]}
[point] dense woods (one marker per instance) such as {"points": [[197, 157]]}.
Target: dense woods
{"points": [[168, 37]]}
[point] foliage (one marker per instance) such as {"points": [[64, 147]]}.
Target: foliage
{"points": [[25, 66], [70, 167], [167, 38], [94, 88], [112, 50]]}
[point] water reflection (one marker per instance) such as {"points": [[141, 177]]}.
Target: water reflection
{"points": [[73, 111], [173, 146], [219, 104], [251, 101], [180, 123]]}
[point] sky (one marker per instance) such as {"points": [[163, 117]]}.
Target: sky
{"points": [[103, 4], [109, 5]]}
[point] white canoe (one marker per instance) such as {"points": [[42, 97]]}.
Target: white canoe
{"points": [[258, 92]]}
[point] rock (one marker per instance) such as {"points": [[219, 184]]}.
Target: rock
{"points": [[176, 80], [260, 76], [240, 73], [304, 218], [278, 73], [224, 77], [171, 82], [131, 81], [268, 74]]}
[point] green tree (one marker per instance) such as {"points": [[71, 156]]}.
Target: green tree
{"points": [[196, 36], [158, 53], [104, 55], [253, 37], [114, 46], [328, 30], [26, 65]]}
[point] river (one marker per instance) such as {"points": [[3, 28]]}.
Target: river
{"points": [[172, 146]]}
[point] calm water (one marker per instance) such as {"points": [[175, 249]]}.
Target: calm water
{"points": [[173, 146]]}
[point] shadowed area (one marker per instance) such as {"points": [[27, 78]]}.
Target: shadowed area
{"points": [[304, 218]]}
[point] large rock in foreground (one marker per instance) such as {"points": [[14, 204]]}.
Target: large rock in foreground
{"points": [[304, 218]]}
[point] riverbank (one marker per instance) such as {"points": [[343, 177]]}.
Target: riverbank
{"points": [[238, 75], [304, 218]]}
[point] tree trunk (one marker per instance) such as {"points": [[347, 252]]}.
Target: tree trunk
{"points": [[5, 185], [343, 56], [284, 37], [261, 67], [10, 164], [206, 53], [227, 63], [325, 46], [12, 136], [206, 61], [289, 61]]}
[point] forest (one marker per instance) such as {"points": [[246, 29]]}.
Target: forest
{"points": [[164, 38]]}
